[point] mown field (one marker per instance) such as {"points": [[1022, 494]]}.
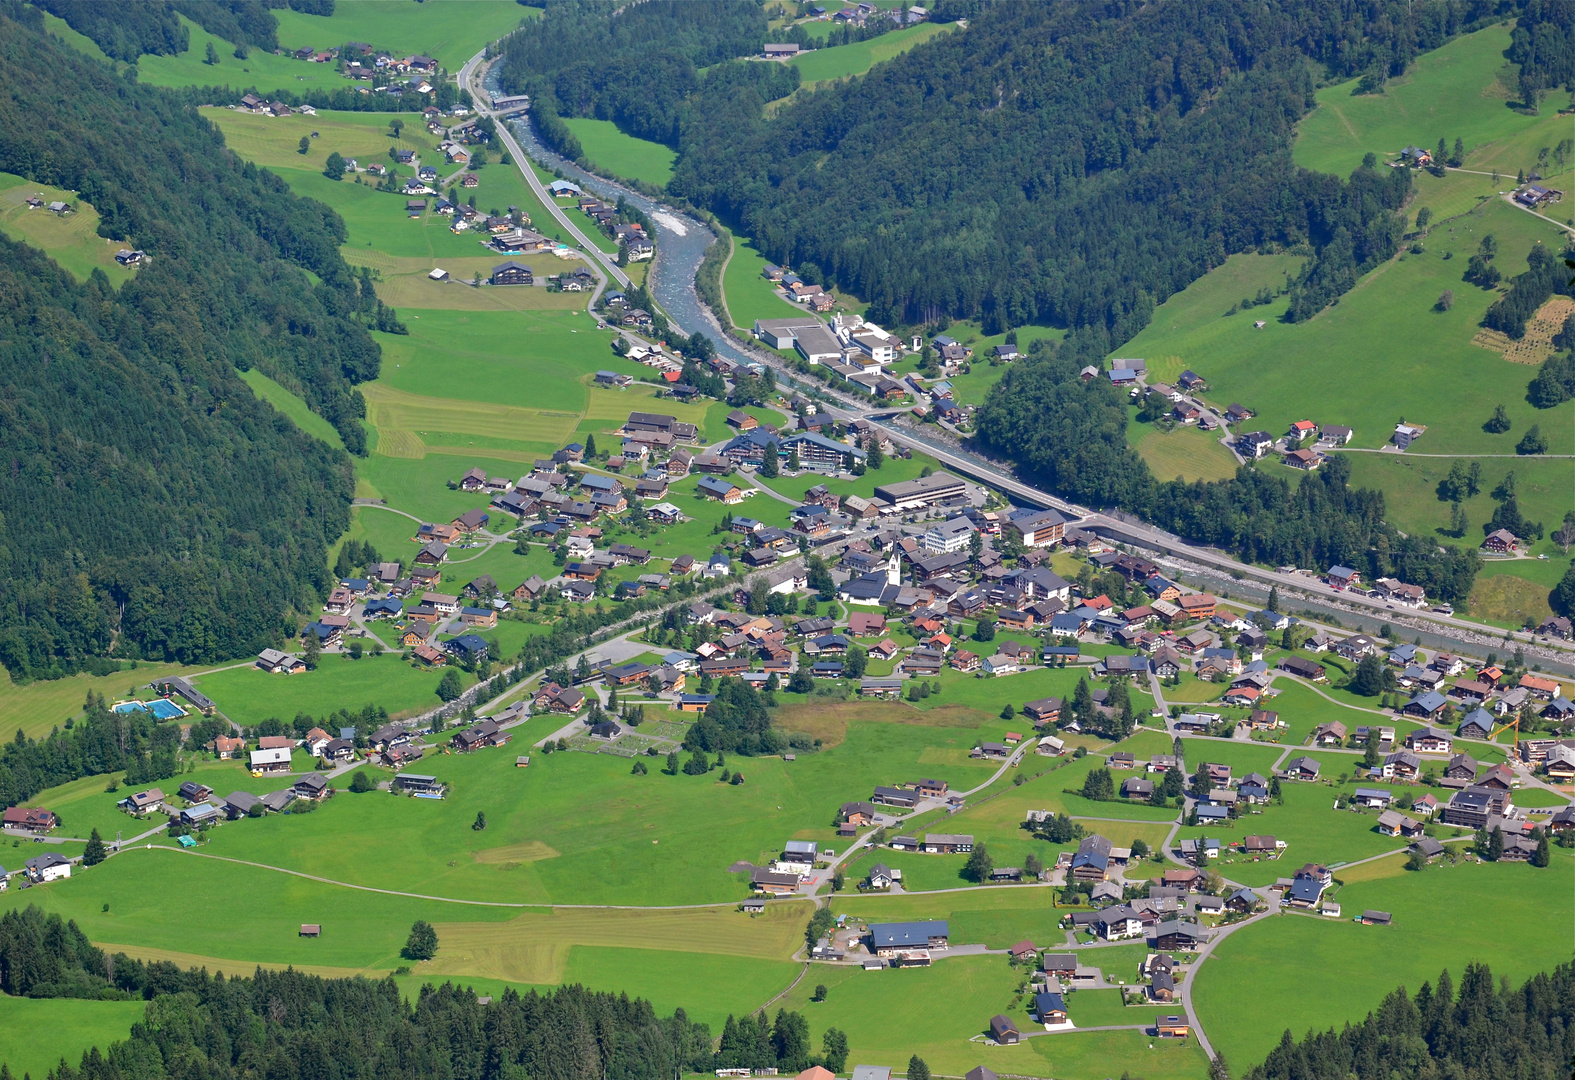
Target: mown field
{"points": [[71, 240], [1463, 89], [261, 70], [1183, 451], [248, 695], [749, 295], [1519, 924], [619, 154], [450, 31], [845, 61], [72, 1026], [935, 1013]]}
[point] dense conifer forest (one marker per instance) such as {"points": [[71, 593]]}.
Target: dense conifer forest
{"points": [[155, 507], [1485, 1031]]}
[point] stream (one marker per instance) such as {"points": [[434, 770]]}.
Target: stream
{"points": [[681, 240]]}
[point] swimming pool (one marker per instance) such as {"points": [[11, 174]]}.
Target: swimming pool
{"points": [[162, 708]]}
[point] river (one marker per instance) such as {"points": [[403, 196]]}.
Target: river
{"points": [[681, 240]]}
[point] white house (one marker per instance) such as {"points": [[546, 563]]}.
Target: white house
{"points": [[276, 759]]}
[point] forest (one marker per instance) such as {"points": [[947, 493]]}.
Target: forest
{"points": [[155, 504], [125, 30], [289, 1024], [1485, 1031], [1071, 436]]}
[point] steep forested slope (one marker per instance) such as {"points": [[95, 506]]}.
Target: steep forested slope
{"points": [[1069, 163], [153, 505]]}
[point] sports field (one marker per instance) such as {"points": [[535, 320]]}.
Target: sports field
{"points": [[1344, 969], [619, 154], [71, 239]]}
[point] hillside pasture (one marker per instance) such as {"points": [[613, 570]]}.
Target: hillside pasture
{"points": [[449, 31], [71, 239], [1462, 89], [292, 406], [847, 61], [249, 695]]}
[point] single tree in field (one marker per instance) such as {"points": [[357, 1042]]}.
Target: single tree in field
{"points": [[95, 852], [395, 126], [361, 782], [917, 1069], [306, 145], [1498, 423], [979, 864], [211, 56], [311, 648], [334, 167], [422, 943], [450, 686], [834, 1049], [1541, 856], [672, 763], [1532, 442], [481, 821]]}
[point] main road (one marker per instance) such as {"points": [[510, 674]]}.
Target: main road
{"points": [[1112, 524], [471, 77]]}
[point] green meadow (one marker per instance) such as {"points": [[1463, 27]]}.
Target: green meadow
{"points": [[1384, 334], [261, 70], [846, 61], [614, 152], [1183, 452], [249, 695], [578, 828], [939, 1012], [1518, 924], [749, 295], [71, 240], [450, 31], [1463, 89], [73, 1026], [292, 406]]}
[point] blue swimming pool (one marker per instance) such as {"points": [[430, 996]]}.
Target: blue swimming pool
{"points": [[161, 708]]}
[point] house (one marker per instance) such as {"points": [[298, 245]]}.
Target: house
{"points": [[891, 939], [1394, 823], [1429, 740], [1004, 1031], [1302, 768], [1478, 724], [1037, 528], [1428, 706], [512, 273], [716, 487], [311, 786], [143, 801], [1406, 434], [1330, 734], [47, 867], [1172, 1027], [1050, 1008], [273, 760]]}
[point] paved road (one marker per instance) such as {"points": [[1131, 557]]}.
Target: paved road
{"points": [[470, 78]]}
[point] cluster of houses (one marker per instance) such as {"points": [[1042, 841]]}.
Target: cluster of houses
{"points": [[1304, 446], [631, 236]]}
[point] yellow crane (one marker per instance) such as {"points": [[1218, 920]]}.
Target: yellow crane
{"points": [[1515, 723]]}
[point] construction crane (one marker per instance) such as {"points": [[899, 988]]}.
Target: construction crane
{"points": [[1515, 723]]}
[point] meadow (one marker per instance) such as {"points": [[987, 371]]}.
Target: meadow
{"points": [[1183, 452], [248, 695], [292, 406], [37, 707], [71, 240], [1384, 335], [1344, 969], [846, 61], [450, 31], [935, 1012], [612, 151], [1464, 89], [749, 295], [261, 70], [73, 1026], [578, 828]]}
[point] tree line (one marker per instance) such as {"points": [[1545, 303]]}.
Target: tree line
{"points": [[1070, 434], [1484, 1030], [100, 742], [288, 1024], [155, 505], [126, 29]]}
